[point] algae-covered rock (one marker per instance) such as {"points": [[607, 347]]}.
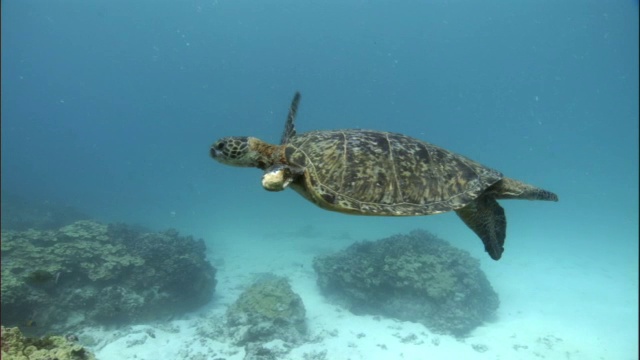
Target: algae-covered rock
{"points": [[91, 273], [16, 346], [266, 311], [415, 277]]}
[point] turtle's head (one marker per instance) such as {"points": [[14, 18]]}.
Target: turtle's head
{"points": [[240, 151]]}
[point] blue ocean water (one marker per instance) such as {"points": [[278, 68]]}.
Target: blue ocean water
{"points": [[112, 107]]}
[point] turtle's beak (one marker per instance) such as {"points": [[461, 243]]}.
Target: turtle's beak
{"points": [[213, 152], [216, 150]]}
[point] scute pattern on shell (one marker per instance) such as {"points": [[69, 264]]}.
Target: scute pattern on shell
{"points": [[381, 173]]}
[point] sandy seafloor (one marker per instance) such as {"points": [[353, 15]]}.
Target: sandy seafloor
{"points": [[560, 305]]}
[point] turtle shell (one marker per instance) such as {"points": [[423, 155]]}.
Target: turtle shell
{"points": [[380, 173]]}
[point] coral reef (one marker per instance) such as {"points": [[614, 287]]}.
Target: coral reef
{"points": [[415, 277], [88, 272], [16, 346], [267, 312]]}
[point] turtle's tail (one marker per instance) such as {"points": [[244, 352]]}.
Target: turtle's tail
{"points": [[514, 189]]}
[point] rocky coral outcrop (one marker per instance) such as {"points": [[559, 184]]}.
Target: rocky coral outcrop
{"points": [[268, 319], [414, 277], [16, 346], [91, 273]]}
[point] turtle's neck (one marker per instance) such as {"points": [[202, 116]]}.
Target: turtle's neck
{"points": [[265, 154]]}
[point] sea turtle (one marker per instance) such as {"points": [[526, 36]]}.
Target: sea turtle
{"points": [[369, 172]]}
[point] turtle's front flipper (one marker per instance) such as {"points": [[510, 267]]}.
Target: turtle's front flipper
{"points": [[486, 218], [289, 126]]}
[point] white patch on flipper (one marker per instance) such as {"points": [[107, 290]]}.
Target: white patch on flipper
{"points": [[275, 180]]}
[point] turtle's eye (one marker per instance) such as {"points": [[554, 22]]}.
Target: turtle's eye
{"points": [[219, 145]]}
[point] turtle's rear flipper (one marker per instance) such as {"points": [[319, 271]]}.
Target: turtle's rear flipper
{"points": [[486, 218]]}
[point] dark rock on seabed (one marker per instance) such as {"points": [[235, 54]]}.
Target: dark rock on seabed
{"points": [[415, 277], [89, 273]]}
